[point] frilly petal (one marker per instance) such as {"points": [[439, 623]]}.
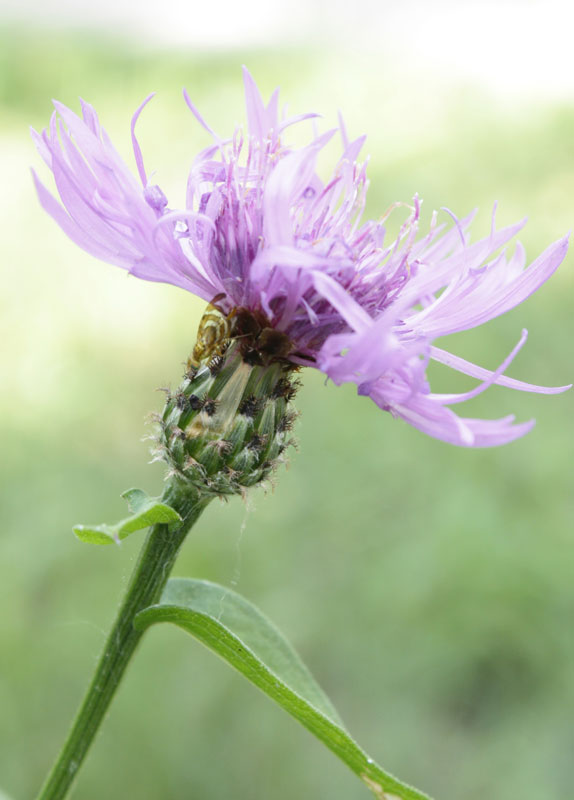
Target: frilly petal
{"points": [[440, 422]]}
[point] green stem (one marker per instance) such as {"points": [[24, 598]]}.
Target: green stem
{"points": [[148, 580]]}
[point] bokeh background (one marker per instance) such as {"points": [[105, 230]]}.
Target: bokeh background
{"points": [[430, 589]]}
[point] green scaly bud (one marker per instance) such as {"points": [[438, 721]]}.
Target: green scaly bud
{"points": [[228, 424]]}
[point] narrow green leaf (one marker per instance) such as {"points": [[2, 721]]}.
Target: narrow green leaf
{"points": [[145, 510], [240, 634]]}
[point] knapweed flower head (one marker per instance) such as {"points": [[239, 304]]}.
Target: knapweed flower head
{"points": [[291, 268]]}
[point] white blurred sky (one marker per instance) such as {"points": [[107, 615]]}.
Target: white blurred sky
{"points": [[512, 47]]}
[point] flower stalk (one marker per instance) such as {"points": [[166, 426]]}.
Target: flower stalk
{"points": [[222, 431], [147, 582]]}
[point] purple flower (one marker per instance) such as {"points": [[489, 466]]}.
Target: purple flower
{"points": [[260, 230]]}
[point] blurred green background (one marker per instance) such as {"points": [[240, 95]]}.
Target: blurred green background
{"points": [[429, 589]]}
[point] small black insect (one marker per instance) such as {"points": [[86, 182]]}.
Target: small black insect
{"points": [[252, 357], [260, 344]]}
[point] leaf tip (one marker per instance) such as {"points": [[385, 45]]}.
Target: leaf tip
{"points": [[95, 534]]}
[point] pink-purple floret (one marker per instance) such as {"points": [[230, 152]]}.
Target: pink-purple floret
{"points": [[261, 228]]}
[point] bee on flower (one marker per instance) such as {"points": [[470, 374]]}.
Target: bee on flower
{"points": [[293, 272]]}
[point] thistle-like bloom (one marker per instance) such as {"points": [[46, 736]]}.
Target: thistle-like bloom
{"points": [[260, 233]]}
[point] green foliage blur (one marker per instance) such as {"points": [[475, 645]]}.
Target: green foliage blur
{"points": [[430, 589]]}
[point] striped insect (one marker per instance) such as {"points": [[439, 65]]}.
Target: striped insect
{"points": [[212, 336]]}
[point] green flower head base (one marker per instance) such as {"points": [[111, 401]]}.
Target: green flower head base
{"points": [[228, 424]]}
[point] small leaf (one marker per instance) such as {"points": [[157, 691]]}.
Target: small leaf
{"points": [[137, 499], [241, 635], [145, 510], [96, 534]]}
